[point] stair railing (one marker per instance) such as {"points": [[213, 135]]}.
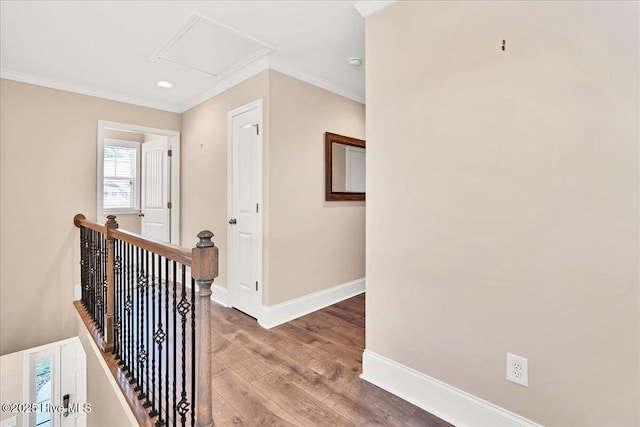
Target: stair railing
{"points": [[141, 295]]}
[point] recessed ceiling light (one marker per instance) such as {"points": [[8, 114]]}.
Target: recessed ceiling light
{"points": [[162, 83], [354, 61]]}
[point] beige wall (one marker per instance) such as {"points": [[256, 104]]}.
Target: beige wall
{"points": [[108, 406], [11, 383], [204, 163], [313, 244], [515, 175], [48, 174], [308, 244]]}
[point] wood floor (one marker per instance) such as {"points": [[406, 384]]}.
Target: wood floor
{"points": [[304, 373]]}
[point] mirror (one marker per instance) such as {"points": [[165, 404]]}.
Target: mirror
{"points": [[345, 166]]}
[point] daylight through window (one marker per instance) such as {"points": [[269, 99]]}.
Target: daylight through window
{"points": [[120, 163]]}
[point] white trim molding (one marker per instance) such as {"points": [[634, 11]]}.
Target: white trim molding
{"points": [[223, 84], [77, 292], [312, 79], [442, 400], [369, 7], [220, 295], [228, 82], [85, 90], [174, 146], [282, 313]]}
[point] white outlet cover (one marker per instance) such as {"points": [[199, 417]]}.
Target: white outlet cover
{"points": [[518, 369], [9, 422]]}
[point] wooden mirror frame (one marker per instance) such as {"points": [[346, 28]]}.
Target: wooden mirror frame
{"points": [[329, 139]]}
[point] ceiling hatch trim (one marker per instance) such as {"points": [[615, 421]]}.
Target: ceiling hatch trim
{"points": [[212, 48], [369, 7]]}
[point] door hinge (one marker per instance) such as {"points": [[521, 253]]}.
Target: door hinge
{"points": [[257, 208], [256, 285], [168, 205], [170, 153]]}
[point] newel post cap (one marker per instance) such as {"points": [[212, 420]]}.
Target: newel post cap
{"points": [[204, 263], [205, 239]]}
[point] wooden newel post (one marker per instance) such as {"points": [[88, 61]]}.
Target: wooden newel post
{"points": [[204, 268], [110, 225]]}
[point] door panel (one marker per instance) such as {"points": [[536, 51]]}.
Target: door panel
{"points": [[74, 383], [245, 235], [155, 190]]}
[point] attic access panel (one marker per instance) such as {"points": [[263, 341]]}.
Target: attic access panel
{"points": [[211, 48]]}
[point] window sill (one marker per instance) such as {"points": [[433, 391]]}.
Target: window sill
{"points": [[121, 212]]}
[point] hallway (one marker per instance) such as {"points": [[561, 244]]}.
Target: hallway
{"points": [[303, 373]]}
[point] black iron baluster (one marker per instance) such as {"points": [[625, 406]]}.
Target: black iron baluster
{"points": [[175, 332], [146, 329], [116, 279], [140, 313], [94, 273], [125, 307], [166, 312], [193, 351], [159, 338], [183, 309], [91, 274], [152, 348], [98, 283], [135, 325], [104, 287], [83, 266]]}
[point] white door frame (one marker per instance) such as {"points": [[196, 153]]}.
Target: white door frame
{"points": [[54, 351], [174, 146], [258, 250]]}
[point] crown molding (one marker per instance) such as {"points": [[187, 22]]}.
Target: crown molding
{"points": [[85, 90], [227, 83], [369, 7], [232, 80], [313, 79], [276, 65]]}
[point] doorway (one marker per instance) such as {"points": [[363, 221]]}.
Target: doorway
{"points": [[55, 375], [244, 208], [138, 179]]}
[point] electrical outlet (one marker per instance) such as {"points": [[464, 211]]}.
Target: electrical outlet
{"points": [[517, 369], [9, 422]]}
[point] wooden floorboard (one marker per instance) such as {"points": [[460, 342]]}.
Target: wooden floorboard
{"points": [[303, 373]]}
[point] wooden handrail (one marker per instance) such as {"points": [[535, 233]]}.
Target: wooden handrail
{"points": [[81, 221], [167, 250], [172, 252]]}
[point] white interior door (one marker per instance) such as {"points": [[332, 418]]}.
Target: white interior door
{"points": [[245, 219], [155, 189], [73, 384]]}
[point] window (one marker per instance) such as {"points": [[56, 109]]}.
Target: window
{"points": [[120, 176], [43, 390]]}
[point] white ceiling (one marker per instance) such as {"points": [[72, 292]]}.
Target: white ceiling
{"points": [[110, 48]]}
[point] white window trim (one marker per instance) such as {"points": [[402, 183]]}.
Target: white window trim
{"points": [[109, 142]]}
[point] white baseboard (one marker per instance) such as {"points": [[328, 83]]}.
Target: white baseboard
{"points": [[281, 313], [77, 293], [442, 400], [220, 295]]}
